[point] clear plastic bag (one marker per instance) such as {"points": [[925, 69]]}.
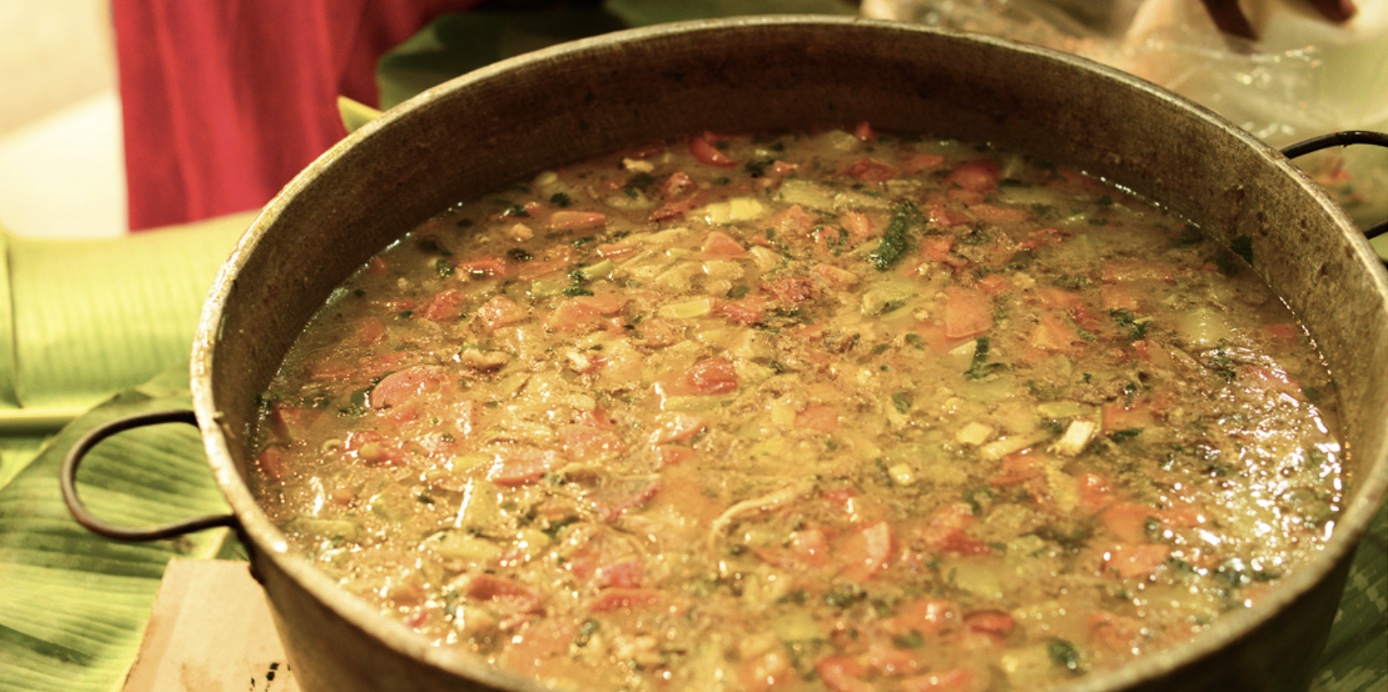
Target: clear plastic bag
{"points": [[1304, 76]]}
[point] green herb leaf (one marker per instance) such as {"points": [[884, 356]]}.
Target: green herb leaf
{"points": [[896, 239]]}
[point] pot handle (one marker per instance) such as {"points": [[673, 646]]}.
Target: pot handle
{"points": [[96, 525], [1340, 139]]}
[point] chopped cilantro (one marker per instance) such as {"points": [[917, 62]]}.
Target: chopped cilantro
{"points": [[432, 247], [1135, 328], [1064, 654], [758, 167], [1125, 434], [844, 595], [896, 240], [639, 182], [980, 368]]}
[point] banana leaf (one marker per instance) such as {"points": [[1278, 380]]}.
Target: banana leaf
{"points": [[73, 604], [459, 43], [92, 317], [84, 322]]}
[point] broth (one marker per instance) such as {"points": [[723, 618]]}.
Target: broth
{"points": [[839, 410]]}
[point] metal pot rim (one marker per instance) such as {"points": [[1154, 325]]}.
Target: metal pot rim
{"points": [[270, 543]]}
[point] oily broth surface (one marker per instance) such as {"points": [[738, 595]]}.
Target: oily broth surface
{"points": [[825, 410]]}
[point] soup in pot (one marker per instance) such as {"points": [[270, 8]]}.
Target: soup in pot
{"points": [[841, 410]]}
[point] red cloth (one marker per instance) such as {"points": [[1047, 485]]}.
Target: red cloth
{"points": [[224, 101]]}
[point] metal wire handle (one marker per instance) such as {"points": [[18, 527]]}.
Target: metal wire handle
{"points": [[1340, 139], [96, 525]]}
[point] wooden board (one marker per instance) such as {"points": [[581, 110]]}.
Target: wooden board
{"points": [[210, 631]]}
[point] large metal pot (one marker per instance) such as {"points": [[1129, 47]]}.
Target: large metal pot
{"points": [[513, 119]]}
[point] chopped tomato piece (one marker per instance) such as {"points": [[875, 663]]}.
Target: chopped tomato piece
{"points": [[821, 417], [791, 289], [836, 277], [373, 448], [656, 332], [626, 574], [945, 531], [586, 442], [720, 245], [968, 313], [573, 220], [445, 305], [671, 454], [1054, 333], [705, 150], [620, 248], [584, 312], [872, 171], [981, 175], [1124, 296], [918, 162], [625, 498], [1138, 560], [1049, 236], [678, 195], [866, 552], [810, 547], [995, 622], [925, 615], [1119, 415], [712, 376], [944, 213], [678, 427], [501, 311], [843, 674], [489, 587], [1094, 490], [864, 132], [992, 213], [750, 310], [369, 331], [936, 248], [554, 259], [513, 466], [794, 223], [274, 462], [994, 285], [1128, 521], [858, 225], [403, 385], [486, 266]]}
